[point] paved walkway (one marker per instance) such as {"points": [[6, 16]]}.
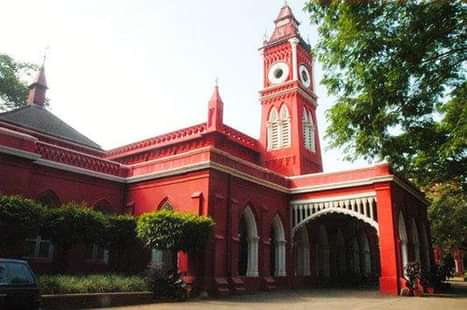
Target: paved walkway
{"points": [[322, 299]]}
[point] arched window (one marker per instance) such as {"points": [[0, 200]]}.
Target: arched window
{"points": [[273, 130], [302, 246], [97, 253], [403, 242], [341, 262], [277, 248], [49, 199], [415, 241], [248, 235], [166, 206], [365, 254], [324, 268], [279, 128], [103, 206], [38, 247], [308, 130], [285, 126]]}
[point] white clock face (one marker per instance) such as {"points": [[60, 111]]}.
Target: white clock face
{"points": [[304, 76], [278, 72]]}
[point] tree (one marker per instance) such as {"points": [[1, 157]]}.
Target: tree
{"points": [[398, 72], [13, 90], [20, 219], [448, 215], [73, 224], [171, 230]]}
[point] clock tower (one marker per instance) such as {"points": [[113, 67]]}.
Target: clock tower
{"points": [[289, 132]]}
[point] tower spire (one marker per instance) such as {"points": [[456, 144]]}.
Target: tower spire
{"points": [[38, 88], [286, 25], [215, 109]]}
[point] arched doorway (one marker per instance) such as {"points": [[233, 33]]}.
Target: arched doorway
{"points": [[248, 235], [344, 238], [278, 248], [403, 241]]}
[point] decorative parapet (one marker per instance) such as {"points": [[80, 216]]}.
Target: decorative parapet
{"points": [[73, 158], [168, 138], [240, 137]]}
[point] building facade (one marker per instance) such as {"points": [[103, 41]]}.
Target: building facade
{"points": [[280, 220]]}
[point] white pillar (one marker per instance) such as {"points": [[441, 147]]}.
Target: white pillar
{"points": [[293, 43]]}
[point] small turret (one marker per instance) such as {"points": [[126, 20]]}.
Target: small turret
{"points": [[38, 89]]}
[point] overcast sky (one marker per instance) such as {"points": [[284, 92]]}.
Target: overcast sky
{"points": [[121, 71]]}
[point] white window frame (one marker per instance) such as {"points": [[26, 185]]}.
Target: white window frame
{"points": [[308, 131], [94, 251], [278, 126], [37, 245]]}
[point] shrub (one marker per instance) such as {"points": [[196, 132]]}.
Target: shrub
{"points": [[120, 230], [173, 230], [72, 224], [20, 218], [69, 284]]}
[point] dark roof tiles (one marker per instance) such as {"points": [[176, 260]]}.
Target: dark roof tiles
{"points": [[39, 119]]}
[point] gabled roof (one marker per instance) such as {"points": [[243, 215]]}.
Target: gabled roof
{"points": [[39, 119]]}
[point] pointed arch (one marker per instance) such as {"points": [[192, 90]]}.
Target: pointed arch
{"points": [[302, 246], [403, 241], [415, 241], [308, 130], [284, 126], [341, 261], [103, 206], [248, 262], [165, 204], [273, 129], [324, 267], [365, 254], [278, 247], [49, 198]]}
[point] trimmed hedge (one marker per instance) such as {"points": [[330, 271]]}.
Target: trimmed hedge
{"points": [[20, 218], [69, 284], [167, 229]]}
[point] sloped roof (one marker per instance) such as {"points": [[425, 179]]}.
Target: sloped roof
{"points": [[39, 119]]}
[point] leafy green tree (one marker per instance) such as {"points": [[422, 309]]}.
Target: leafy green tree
{"points": [[73, 224], [397, 70], [448, 215], [20, 219], [121, 241], [13, 90], [175, 231]]}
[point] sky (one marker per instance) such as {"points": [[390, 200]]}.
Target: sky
{"points": [[120, 71]]}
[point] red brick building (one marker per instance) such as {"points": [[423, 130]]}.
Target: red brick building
{"points": [[280, 220]]}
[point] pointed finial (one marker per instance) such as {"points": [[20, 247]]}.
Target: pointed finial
{"points": [[286, 3], [217, 82], [44, 57]]}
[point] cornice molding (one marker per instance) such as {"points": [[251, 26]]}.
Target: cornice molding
{"points": [[19, 153], [36, 158]]}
